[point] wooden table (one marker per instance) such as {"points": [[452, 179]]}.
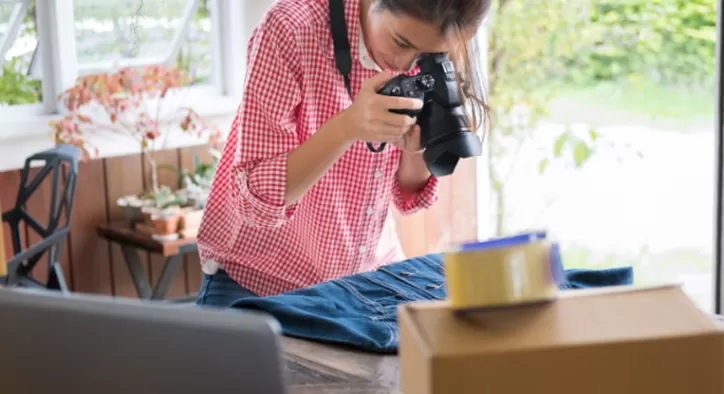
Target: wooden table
{"points": [[317, 368], [131, 241]]}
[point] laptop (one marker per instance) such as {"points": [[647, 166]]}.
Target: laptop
{"points": [[95, 344]]}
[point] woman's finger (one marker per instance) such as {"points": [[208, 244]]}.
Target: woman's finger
{"points": [[394, 119]]}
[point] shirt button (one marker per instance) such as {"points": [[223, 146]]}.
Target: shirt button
{"points": [[362, 249], [370, 211], [378, 174]]}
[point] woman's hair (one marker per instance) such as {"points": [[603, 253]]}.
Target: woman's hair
{"points": [[454, 16]]}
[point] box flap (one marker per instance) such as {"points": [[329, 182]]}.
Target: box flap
{"points": [[578, 317]]}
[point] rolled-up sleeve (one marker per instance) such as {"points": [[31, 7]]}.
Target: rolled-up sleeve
{"points": [[408, 203], [265, 128]]}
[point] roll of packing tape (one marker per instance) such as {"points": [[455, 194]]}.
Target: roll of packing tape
{"points": [[502, 275]]}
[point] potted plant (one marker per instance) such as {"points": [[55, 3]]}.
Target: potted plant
{"points": [[196, 184], [161, 216], [133, 102], [133, 207]]}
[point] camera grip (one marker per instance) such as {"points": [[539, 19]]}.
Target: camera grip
{"points": [[400, 86]]}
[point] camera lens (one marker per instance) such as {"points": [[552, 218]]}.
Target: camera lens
{"points": [[441, 157], [447, 138]]}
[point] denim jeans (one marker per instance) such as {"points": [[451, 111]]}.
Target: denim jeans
{"points": [[361, 310], [220, 291]]}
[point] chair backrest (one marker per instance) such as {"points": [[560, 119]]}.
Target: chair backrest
{"points": [[61, 163]]}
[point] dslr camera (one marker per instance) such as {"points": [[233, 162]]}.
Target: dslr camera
{"points": [[444, 131]]}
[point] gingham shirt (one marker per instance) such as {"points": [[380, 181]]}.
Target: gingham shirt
{"points": [[342, 225]]}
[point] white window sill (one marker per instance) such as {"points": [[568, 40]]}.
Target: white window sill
{"points": [[24, 136]]}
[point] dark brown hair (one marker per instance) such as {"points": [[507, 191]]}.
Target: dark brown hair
{"points": [[454, 16]]}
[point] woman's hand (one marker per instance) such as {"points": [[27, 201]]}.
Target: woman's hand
{"points": [[369, 118], [410, 141]]}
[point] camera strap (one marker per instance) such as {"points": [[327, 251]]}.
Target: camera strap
{"points": [[342, 52]]}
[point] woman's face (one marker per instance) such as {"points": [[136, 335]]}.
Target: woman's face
{"points": [[395, 41]]}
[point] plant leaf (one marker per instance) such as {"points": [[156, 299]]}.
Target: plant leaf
{"points": [[581, 153], [594, 135], [543, 165], [559, 144]]}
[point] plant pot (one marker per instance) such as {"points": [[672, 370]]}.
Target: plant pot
{"points": [[189, 234], [132, 207], [166, 225], [147, 214], [132, 214], [191, 219]]}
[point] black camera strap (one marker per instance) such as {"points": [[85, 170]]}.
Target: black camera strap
{"points": [[342, 52]]}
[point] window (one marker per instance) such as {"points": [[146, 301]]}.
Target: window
{"points": [[47, 44], [114, 33], [604, 133], [20, 82]]}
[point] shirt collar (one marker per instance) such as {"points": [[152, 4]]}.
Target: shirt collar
{"points": [[364, 56]]}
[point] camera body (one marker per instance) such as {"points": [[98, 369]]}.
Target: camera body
{"points": [[444, 131]]}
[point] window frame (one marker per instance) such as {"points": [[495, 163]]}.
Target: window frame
{"points": [[486, 228], [719, 146], [60, 70]]}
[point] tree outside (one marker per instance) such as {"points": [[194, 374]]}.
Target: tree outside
{"points": [[603, 132]]}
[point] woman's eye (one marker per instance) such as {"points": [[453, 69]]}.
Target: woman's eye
{"points": [[402, 44]]}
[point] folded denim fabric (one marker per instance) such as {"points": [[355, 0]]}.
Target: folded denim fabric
{"points": [[360, 310]]}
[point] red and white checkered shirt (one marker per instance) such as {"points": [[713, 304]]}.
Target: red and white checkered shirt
{"points": [[341, 226]]}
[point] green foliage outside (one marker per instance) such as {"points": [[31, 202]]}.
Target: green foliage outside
{"points": [[600, 62], [672, 42], [17, 87], [542, 51]]}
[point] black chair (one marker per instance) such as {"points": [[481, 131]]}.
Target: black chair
{"points": [[61, 163]]}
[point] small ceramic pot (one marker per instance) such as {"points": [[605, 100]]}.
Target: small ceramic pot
{"points": [[166, 225], [191, 219], [147, 214], [132, 208]]}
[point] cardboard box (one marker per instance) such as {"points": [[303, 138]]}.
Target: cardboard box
{"points": [[615, 341]]}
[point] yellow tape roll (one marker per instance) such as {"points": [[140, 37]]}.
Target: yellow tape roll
{"points": [[502, 276]]}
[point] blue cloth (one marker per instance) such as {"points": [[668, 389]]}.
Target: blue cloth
{"points": [[361, 310], [220, 291]]}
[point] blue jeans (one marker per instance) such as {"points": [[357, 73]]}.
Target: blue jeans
{"points": [[220, 291], [361, 310]]}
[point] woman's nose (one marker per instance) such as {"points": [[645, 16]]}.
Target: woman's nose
{"points": [[405, 62]]}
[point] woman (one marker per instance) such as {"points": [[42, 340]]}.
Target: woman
{"points": [[298, 197]]}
